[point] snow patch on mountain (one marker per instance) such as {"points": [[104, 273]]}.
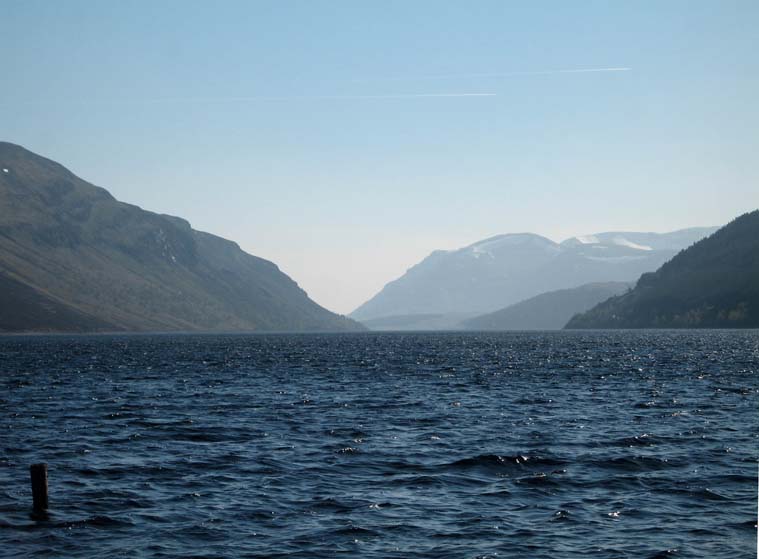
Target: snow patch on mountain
{"points": [[478, 251], [621, 241], [487, 246], [616, 259], [588, 240]]}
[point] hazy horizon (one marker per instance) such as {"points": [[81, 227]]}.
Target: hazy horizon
{"points": [[345, 142]]}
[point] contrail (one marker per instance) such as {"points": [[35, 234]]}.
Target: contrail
{"points": [[310, 97], [621, 69], [406, 96], [252, 99], [497, 75]]}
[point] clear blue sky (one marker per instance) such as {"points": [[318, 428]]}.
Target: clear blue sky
{"points": [[291, 126]]}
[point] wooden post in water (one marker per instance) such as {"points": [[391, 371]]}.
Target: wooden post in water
{"points": [[39, 487]]}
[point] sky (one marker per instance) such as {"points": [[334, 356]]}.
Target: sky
{"points": [[346, 140]]}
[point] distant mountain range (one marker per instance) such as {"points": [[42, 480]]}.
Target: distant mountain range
{"points": [[713, 284], [500, 271], [72, 258], [547, 311]]}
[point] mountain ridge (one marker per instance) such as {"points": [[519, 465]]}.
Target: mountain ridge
{"points": [[501, 270], [712, 284], [73, 243]]}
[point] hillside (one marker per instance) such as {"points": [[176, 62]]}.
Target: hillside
{"points": [[547, 311], [713, 284], [73, 258]]}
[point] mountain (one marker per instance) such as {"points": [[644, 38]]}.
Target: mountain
{"points": [[72, 258], [500, 271], [547, 311], [713, 284]]}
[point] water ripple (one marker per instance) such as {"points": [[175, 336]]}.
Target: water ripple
{"points": [[541, 445]]}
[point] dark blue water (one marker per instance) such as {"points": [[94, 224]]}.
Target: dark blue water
{"points": [[383, 445]]}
